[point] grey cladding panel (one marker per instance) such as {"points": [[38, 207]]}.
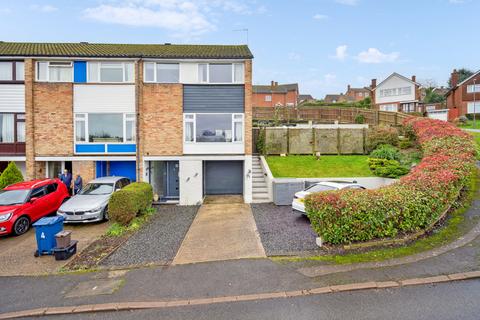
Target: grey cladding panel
{"points": [[213, 99]]}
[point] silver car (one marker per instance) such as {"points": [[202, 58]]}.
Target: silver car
{"points": [[91, 203]]}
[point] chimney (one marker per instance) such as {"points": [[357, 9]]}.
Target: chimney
{"points": [[272, 83], [454, 78], [276, 83], [348, 88], [414, 78], [374, 83]]}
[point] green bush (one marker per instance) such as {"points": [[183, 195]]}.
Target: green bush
{"points": [[386, 151], [260, 143], [129, 202], [360, 119], [405, 144], [10, 175], [386, 168], [381, 135]]}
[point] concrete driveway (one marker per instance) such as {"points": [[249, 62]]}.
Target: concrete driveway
{"points": [[223, 229], [16, 253]]}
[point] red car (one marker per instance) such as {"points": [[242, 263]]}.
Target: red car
{"points": [[23, 203]]}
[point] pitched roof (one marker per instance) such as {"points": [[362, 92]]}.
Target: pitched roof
{"points": [[461, 83], [112, 50], [398, 75], [279, 88], [360, 89]]}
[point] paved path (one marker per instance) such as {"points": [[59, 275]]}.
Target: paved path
{"points": [[224, 229], [16, 253]]}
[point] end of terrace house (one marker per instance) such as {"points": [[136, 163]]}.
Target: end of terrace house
{"points": [[176, 116]]}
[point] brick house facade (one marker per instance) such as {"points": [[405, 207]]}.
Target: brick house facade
{"points": [[464, 97], [142, 115], [273, 95]]}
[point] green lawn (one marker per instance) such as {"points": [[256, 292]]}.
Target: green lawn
{"points": [[469, 124], [326, 167]]}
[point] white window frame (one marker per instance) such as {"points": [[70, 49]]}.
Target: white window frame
{"points": [[126, 117], [233, 121], [155, 70], [268, 98], [473, 88], [47, 171], [471, 106], [99, 67], [389, 106], [47, 79], [233, 64]]}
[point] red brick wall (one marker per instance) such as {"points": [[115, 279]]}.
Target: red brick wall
{"points": [[282, 98]]}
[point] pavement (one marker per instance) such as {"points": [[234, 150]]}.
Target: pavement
{"points": [[223, 229], [16, 253], [456, 300]]}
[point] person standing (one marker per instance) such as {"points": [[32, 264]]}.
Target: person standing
{"points": [[66, 178], [77, 184]]}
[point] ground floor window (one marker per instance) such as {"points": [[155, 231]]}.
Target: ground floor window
{"points": [[105, 127], [473, 107], [12, 127], [389, 107], [408, 107], [213, 127], [56, 168]]}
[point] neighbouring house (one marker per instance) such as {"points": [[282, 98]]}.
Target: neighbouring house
{"points": [[464, 97], [12, 113], [357, 94], [275, 95], [335, 98], [396, 93], [176, 116], [305, 98]]}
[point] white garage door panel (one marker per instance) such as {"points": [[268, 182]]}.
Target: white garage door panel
{"points": [[439, 115], [12, 98], [104, 98]]}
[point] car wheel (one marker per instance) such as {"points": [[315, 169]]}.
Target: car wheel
{"points": [[105, 214], [21, 226]]}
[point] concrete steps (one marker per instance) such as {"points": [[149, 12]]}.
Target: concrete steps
{"points": [[259, 185]]}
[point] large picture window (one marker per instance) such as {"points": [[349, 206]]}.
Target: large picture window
{"points": [[55, 71], [110, 72], [12, 128], [105, 127], [208, 127]]}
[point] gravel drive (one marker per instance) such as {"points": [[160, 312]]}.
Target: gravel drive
{"points": [[282, 231], [159, 240]]}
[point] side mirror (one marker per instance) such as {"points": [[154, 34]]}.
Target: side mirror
{"points": [[32, 200]]}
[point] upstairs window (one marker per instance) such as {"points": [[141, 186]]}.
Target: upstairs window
{"points": [[55, 71], [12, 127], [12, 71], [221, 73], [473, 88], [162, 72], [105, 127], [213, 127], [110, 72]]}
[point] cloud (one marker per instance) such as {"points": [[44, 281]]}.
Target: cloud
{"points": [[43, 8], [347, 2], [373, 55], [341, 52], [320, 17], [184, 18]]}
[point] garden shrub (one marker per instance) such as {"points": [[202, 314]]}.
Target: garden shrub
{"points": [[387, 168], [411, 204], [381, 135], [129, 202], [10, 175], [405, 144], [360, 119], [386, 151]]}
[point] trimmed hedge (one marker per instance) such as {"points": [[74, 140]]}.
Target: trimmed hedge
{"points": [[413, 203], [135, 199], [10, 175], [381, 135]]}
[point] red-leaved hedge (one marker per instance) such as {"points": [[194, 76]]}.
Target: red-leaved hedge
{"points": [[412, 203]]}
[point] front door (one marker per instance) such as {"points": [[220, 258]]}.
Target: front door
{"points": [[171, 179]]}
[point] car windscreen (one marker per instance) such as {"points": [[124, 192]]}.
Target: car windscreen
{"points": [[319, 188], [11, 197], [97, 189]]}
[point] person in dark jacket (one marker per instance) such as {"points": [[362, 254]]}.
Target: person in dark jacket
{"points": [[77, 184], [66, 178]]}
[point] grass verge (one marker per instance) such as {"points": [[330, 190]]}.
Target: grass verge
{"points": [[455, 226], [330, 166]]}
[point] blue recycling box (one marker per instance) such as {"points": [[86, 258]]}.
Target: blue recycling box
{"points": [[45, 231]]}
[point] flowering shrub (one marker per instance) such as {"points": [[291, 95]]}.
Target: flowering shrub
{"points": [[413, 203]]}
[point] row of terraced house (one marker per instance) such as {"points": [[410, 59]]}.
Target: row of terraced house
{"points": [[176, 116]]}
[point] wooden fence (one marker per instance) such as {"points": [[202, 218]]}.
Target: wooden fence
{"points": [[329, 115]]}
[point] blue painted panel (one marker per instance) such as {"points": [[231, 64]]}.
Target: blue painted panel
{"points": [[101, 167], [90, 148], [124, 169], [79, 71], [121, 148]]}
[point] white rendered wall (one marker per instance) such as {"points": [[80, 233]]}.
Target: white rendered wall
{"points": [[395, 82], [191, 182], [247, 179]]}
